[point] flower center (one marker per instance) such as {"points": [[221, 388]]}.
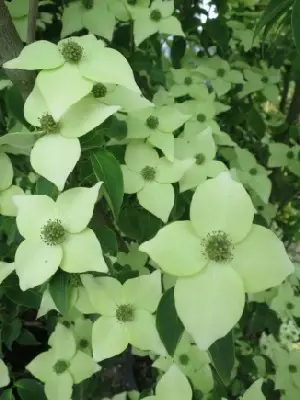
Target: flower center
{"points": [[132, 2], [48, 124], [53, 233], [218, 247], [99, 90], [221, 72], [75, 280], [72, 52], [88, 4], [148, 173], [253, 171], [184, 359], [155, 15], [265, 79], [201, 117], [125, 313], [152, 122], [83, 344], [290, 306], [188, 80], [290, 154], [200, 158], [292, 368], [61, 366]]}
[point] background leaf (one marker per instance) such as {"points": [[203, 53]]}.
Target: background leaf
{"points": [[107, 169], [168, 324], [296, 23], [61, 290], [30, 389], [223, 356]]}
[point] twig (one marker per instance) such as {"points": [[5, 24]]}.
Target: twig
{"points": [[285, 90], [294, 110], [32, 17], [10, 47]]}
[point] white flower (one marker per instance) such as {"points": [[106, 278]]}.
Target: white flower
{"points": [[56, 234], [4, 374], [126, 314], [218, 255], [62, 366]]}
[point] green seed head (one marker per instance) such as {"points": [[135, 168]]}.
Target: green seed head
{"points": [[265, 79], [290, 306], [53, 233], [218, 247], [72, 52], [61, 366], [152, 122], [125, 313], [201, 117], [260, 208], [99, 90], [148, 173], [290, 154], [88, 4], [292, 369], [184, 359], [253, 171], [200, 158], [48, 125], [221, 72], [132, 2], [155, 15], [83, 344], [188, 80]]}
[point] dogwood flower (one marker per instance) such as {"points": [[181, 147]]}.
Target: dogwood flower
{"points": [[286, 304], [4, 374], [254, 392], [157, 18], [62, 366], [287, 365], [94, 15], [281, 155], [187, 82], [264, 80], [19, 12], [252, 174], [55, 155], [219, 73], [134, 258], [218, 256], [156, 124], [192, 362], [74, 63], [126, 314], [172, 386], [82, 330], [56, 234], [151, 178], [201, 150], [5, 270]]}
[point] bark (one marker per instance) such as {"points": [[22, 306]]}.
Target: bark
{"points": [[10, 47]]}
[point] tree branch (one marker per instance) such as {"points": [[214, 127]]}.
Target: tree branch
{"points": [[294, 110], [32, 17], [286, 87], [10, 47]]}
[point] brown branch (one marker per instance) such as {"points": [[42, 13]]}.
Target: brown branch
{"points": [[32, 17], [10, 47], [294, 110]]}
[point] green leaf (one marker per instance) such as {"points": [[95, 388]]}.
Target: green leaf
{"points": [[107, 237], [218, 31], [30, 298], [168, 324], [256, 123], [93, 140], [138, 224], [27, 338], [15, 104], [295, 23], [273, 11], [10, 332], [177, 50], [114, 128], [43, 186], [61, 290], [7, 395], [223, 356], [30, 389], [107, 169]]}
